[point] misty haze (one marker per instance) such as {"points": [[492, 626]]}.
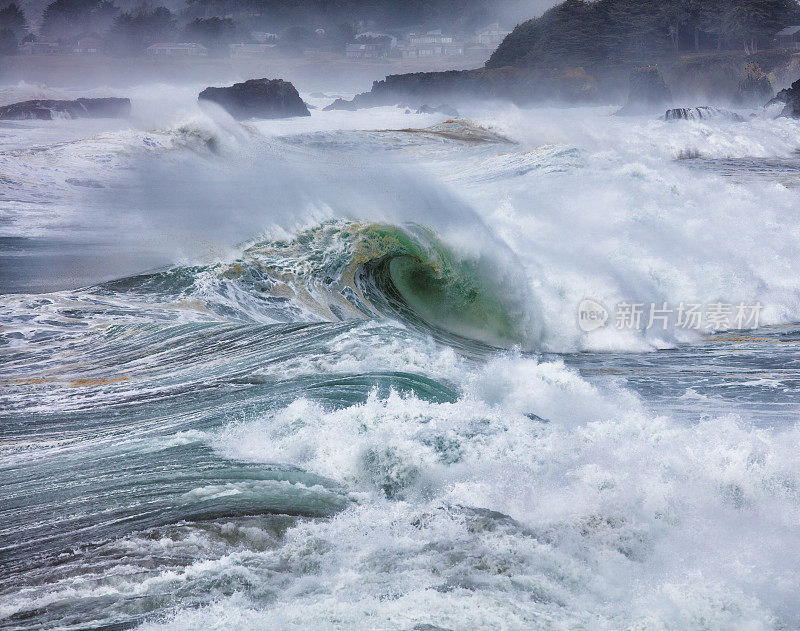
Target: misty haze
{"points": [[409, 316]]}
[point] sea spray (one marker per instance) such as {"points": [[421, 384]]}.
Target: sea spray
{"points": [[263, 439]]}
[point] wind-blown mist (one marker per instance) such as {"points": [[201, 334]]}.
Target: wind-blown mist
{"points": [[577, 205]]}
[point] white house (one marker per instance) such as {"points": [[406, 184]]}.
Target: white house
{"points": [[376, 35], [491, 35], [262, 37], [452, 50], [174, 49], [250, 51], [415, 51], [87, 46], [789, 37], [39, 48], [431, 37], [365, 51]]}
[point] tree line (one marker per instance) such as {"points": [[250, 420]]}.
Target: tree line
{"points": [[209, 22], [13, 28], [583, 33]]}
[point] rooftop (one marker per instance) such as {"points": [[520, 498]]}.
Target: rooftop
{"points": [[789, 30]]}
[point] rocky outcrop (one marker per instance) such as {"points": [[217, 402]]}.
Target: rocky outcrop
{"points": [[444, 109], [517, 85], [341, 104], [785, 71], [700, 113], [647, 92], [417, 88], [790, 97], [755, 87], [49, 109], [258, 98]]}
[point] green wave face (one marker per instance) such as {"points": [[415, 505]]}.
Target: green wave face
{"points": [[344, 270], [456, 304], [415, 276]]}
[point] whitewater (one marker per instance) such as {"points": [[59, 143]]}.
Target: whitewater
{"points": [[338, 372]]}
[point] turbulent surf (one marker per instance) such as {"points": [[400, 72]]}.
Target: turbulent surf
{"points": [[383, 370]]}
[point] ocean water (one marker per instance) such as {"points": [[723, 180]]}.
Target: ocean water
{"points": [[336, 373]]}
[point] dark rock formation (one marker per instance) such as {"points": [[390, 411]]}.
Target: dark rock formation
{"points": [[648, 93], [341, 104], [258, 98], [699, 113], [517, 85], [48, 109], [439, 109], [755, 86], [425, 87], [790, 97]]}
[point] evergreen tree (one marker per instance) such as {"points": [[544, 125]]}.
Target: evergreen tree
{"points": [[13, 19], [214, 33], [73, 18], [8, 42], [341, 35], [132, 33], [576, 32], [750, 23], [297, 38]]}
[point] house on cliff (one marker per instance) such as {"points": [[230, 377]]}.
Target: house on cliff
{"points": [[189, 49], [365, 51], [431, 44], [246, 50], [88, 46], [491, 35], [788, 37], [40, 48], [431, 37]]}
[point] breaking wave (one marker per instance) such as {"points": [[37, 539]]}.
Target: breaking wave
{"points": [[344, 270], [312, 431]]}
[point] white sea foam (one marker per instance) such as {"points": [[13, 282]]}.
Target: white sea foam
{"points": [[586, 205], [602, 517], [533, 498]]}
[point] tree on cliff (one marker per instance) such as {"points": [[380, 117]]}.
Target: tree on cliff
{"points": [[579, 32], [132, 33], [297, 38], [566, 33], [8, 42], [13, 19], [747, 23], [213, 33], [73, 18], [339, 36], [275, 15]]}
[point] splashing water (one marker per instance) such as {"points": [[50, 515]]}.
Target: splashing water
{"points": [[354, 392]]}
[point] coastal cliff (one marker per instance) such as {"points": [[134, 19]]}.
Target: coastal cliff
{"points": [[518, 85], [580, 52]]}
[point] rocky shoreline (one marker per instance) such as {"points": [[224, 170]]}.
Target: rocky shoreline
{"points": [[49, 109], [517, 85], [731, 79]]}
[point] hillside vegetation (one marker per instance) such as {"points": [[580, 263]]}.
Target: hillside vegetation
{"points": [[608, 32]]}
